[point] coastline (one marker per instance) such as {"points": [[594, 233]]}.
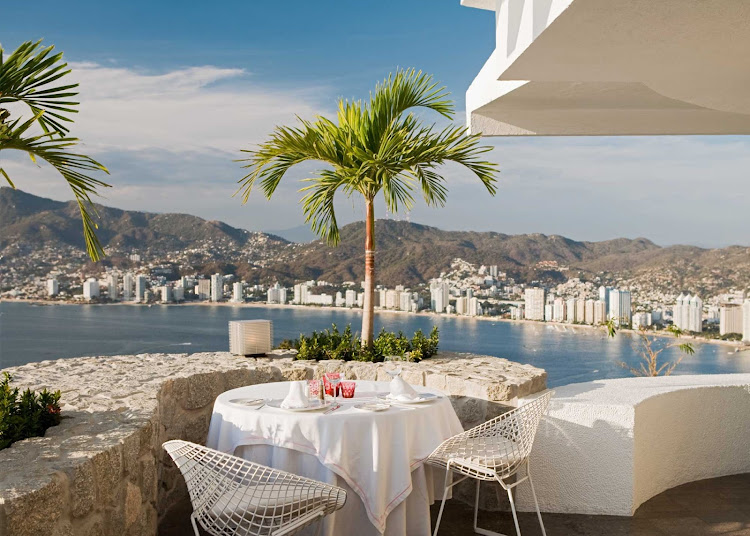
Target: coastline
{"points": [[260, 305]]}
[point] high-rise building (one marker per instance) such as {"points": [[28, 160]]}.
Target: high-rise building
{"points": [[128, 283], [580, 311], [217, 287], [620, 307], [52, 287], [351, 298], [140, 288], [688, 313], [276, 294], [203, 289], [588, 315], [90, 289], [178, 293], [112, 284], [549, 312], [641, 319], [493, 270], [404, 300], [600, 312], [746, 321], [439, 296], [730, 318], [558, 308], [301, 290], [570, 310], [165, 292], [475, 308], [238, 293], [604, 295], [391, 299], [534, 304]]}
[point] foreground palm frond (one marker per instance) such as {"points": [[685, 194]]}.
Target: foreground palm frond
{"points": [[29, 76], [373, 148]]}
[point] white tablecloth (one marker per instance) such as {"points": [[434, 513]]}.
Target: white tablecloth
{"points": [[378, 455]]}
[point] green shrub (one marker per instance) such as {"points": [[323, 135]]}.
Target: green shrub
{"points": [[346, 345], [26, 414]]}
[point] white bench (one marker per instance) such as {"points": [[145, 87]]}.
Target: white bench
{"points": [[607, 446]]}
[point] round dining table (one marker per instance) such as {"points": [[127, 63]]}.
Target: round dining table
{"points": [[376, 456]]}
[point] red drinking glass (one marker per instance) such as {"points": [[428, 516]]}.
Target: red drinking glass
{"points": [[347, 389], [313, 388], [327, 384]]}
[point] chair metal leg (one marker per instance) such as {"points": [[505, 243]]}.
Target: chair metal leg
{"points": [[513, 509], [536, 503], [477, 530], [445, 496], [195, 526]]}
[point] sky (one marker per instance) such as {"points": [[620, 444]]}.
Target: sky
{"points": [[171, 92]]}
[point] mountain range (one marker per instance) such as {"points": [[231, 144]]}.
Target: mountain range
{"points": [[407, 253]]}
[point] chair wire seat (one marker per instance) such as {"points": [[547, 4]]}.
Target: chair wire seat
{"points": [[232, 496], [493, 451]]}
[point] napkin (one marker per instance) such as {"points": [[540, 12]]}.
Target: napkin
{"points": [[296, 397], [400, 390]]}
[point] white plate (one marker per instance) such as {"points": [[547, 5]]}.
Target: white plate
{"points": [[249, 402], [420, 399], [373, 406], [315, 405]]}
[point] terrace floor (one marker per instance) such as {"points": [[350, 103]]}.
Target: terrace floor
{"points": [[718, 506], [707, 507]]}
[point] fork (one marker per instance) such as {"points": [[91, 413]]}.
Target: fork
{"points": [[332, 409]]}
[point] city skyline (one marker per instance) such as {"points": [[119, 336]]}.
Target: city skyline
{"points": [[168, 155]]}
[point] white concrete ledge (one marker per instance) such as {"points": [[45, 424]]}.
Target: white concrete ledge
{"points": [[608, 446]]}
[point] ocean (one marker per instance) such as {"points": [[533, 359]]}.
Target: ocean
{"points": [[569, 354]]}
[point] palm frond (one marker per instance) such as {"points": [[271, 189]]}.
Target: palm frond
{"points": [[27, 75], [72, 166], [318, 205]]}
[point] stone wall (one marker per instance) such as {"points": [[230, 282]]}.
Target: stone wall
{"points": [[102, 470]]}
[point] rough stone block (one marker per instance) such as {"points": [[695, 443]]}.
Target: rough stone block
{"points": [[82, 489], [108, 473], [132, 504], [38, 511]]}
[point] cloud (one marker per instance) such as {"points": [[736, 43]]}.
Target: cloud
{"points": [[196, 109], [170, 139]]}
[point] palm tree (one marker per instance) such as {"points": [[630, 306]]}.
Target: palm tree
{"points": [[30, 76], [376, 147]]}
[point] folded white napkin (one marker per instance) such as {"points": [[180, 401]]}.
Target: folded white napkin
{"points": [[296, 397], [400, 390]]}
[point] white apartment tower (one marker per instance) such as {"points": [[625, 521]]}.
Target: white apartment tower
{"points": [[90, 289], [217, 287], [688, 313], [730, 318], [237, 296], [52, 287], [128, 283], [600, 312], [439, 296], [351, 298], [534, 303], [588, 316], [746, 321], [570, 310]]}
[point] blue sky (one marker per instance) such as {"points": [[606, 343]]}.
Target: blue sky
{"points": [[171, 91]]}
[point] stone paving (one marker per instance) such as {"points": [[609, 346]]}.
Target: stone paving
{"points": [[718, 506]]}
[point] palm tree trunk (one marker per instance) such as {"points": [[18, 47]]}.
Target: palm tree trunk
{"points": [[369, 305]]}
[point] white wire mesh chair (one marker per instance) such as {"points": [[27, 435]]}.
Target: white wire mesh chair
{"points": [[232, 496], [493, 451]]}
